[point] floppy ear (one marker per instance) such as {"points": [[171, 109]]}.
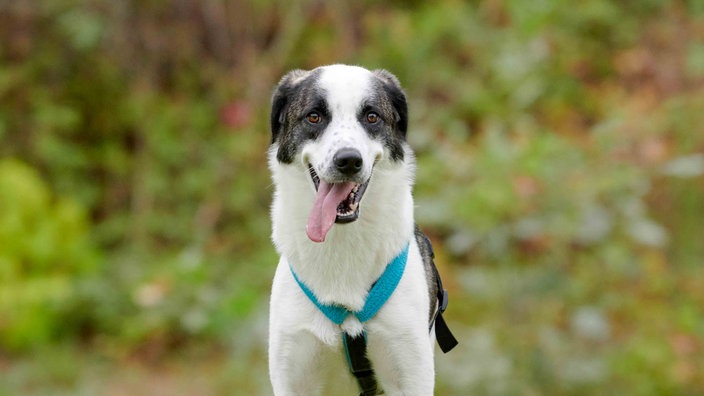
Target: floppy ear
{"points": [[280, 100], [398, 98]]}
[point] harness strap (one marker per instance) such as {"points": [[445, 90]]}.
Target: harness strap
{"points": [[359, 363], [356, 347], [380, 292], [444, 337]]}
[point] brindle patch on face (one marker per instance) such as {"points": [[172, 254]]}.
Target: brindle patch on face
{"points": [[296, 96], [394, 108]]}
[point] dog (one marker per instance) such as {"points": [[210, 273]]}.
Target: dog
{"points": [[342, 213]]}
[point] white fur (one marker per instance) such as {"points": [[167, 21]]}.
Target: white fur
{"points": [[305, 350]]}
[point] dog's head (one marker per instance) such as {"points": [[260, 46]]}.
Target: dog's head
{"points": [[336, 123]]}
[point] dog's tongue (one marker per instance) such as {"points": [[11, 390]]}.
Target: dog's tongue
{"points": [[324, 211]]}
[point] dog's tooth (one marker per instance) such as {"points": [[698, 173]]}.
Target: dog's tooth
{"points": [[353, 206], [346, 213]]}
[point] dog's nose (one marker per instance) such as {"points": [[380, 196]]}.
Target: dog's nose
{"points": [[348, 161]]}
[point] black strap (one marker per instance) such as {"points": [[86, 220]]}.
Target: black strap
{"points": [[360, 365], [443, 335]]}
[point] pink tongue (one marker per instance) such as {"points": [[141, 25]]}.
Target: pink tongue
{"points": [[322, 215]]}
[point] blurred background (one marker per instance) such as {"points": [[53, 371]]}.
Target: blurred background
{"points": [[560, 177]]}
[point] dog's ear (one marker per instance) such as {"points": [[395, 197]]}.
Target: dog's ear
{"points": [[280, 100], [397, 97]]}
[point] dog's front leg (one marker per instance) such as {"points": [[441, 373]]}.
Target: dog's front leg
{"points": [[293, 352], [305, 348], [294, 365], [404, 363]]}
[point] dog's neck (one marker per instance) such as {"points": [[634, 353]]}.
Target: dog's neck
{"points": [[342, 269]]}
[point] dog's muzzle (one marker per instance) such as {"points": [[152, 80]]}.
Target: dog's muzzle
{"points": [[338, 201]]}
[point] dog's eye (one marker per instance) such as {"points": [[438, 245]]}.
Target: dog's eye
{"points": [[313, 118], [372, 117]]}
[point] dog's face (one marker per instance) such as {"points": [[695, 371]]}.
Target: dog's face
{"points": [[335, 124]]}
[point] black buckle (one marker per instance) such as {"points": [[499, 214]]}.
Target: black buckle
{"points": [[444, 299]]}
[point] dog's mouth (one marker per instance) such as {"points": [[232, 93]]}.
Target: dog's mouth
{"points": [[334, 203]]}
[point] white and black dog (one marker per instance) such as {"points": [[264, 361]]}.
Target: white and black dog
{"points": [[342, 217]]}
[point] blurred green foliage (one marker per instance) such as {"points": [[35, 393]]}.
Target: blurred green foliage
{"points": [[46, 253], [560, 176]]}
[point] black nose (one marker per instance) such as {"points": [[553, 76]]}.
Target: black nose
{"points": [[348, 161]]}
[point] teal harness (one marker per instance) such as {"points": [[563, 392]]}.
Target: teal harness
{"points": [[381, 291]]}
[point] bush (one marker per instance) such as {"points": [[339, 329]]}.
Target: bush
{"points": [[45, 254]]}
